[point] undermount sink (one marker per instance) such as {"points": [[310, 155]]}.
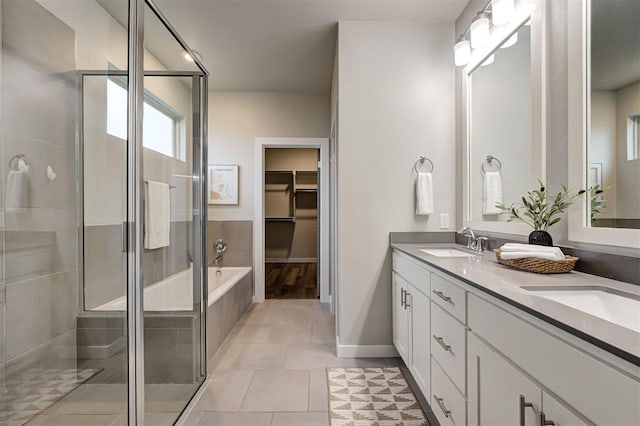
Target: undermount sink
{"points": [[447, 252], [609, 304]]}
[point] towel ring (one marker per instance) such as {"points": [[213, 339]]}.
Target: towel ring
{"points": [[488, 161], [17, 158], [421, 161]]}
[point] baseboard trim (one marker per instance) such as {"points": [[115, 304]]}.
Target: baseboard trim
{"points": [[366, 351]]}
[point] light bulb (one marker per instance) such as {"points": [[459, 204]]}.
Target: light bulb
{"points": [[462, 52], [489, 60], [479, 30], [502, 11], [187, 57], [510, 41]]}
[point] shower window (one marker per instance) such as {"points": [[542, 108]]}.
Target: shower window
{"points": [[164, 129]]}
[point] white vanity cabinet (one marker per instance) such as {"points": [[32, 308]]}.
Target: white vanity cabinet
{"points": [[482, 361], [501, 394], [400, 317], [590, 387], [412, 318]]}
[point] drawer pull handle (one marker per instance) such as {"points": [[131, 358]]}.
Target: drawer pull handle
{"points": [[402, 292], [440, 340], [442, 296], [544, 421], [523, 405], [443, 407]]}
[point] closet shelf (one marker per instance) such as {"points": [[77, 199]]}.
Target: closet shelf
{"points": [[276, 187], [280, 219]]}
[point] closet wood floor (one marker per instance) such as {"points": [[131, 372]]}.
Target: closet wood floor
{"points": [[291, 280]]}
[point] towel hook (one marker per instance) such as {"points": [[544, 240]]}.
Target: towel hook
{"points": [[421, 161], [22, 164], [488, 161]]}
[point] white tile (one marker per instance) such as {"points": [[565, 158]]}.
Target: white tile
{"points": [[290, 333], [73, 420], [318, 391], [226, 391], [311, 356], [261, 356], [251, 333], [300, 419], [235, 419], [279, 390]]}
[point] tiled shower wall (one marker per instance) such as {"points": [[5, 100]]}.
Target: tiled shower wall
{"points": [[239, 235], [104, 262], [40, 243]]}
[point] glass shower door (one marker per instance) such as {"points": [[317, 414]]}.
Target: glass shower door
{"points": [[172, 263]]}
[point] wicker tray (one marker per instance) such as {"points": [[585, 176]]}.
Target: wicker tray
{"points": [[539, 266]]}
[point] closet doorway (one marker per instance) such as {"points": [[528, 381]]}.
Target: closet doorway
{"points": [[291, 241], [291, 232]]}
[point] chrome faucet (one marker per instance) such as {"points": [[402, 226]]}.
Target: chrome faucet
{"points": [[220, 246], [473, 243]]}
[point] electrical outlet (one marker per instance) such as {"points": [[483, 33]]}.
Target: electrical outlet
{"points": [[444, 221]]}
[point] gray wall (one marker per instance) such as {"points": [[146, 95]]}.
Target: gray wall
{"points": [[236, 119], [38, 110], [105, 267], [239, 235], [395, 102]]}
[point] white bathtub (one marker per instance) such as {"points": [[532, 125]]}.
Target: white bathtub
{"points": [[175, 293]]}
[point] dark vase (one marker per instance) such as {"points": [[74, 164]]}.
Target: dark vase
{"points": [[541, 238]]}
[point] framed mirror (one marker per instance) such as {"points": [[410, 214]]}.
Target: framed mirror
{"points": [[604, 126], [504, 132]]}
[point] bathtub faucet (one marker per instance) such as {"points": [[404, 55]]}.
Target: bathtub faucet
{"points": [[220, 246]]}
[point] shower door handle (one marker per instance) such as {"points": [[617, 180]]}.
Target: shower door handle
{"points": [[125, 236]]}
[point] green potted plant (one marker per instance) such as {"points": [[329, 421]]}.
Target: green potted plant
{"points": [[541, 210], [597, 200]]}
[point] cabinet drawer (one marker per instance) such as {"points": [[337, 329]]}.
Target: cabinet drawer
{"points": [[449, 345], [449, 296], [446, 402], [601, 393], [412, 272]]}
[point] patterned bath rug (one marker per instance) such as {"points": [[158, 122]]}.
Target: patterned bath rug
{"points": [[33, 391], [372, 397]]}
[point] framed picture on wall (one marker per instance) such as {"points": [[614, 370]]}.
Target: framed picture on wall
{"points": [[223, 184]]}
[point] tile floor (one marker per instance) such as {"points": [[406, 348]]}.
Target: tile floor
{"points": [[271, 369]]}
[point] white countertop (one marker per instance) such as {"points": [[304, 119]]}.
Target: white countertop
{"points": [[485, 273]]}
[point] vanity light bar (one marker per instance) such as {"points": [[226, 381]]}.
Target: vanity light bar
{"points": [[498, 12]]}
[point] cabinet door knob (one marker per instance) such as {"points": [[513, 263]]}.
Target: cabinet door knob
{"points": [[402, 295], [442, 296], [443, 407], [523, 405], [440, 341]]}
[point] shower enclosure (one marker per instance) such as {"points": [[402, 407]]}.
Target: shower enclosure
{"points": [[103, 160]]}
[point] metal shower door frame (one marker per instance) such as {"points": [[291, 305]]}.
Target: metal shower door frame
{"points": [[134, 189]]}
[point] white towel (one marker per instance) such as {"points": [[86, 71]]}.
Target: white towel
{"points": [[524, 254], [16, 191], [519, 251], [491, 193], [424, 194], [157, 215]]}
